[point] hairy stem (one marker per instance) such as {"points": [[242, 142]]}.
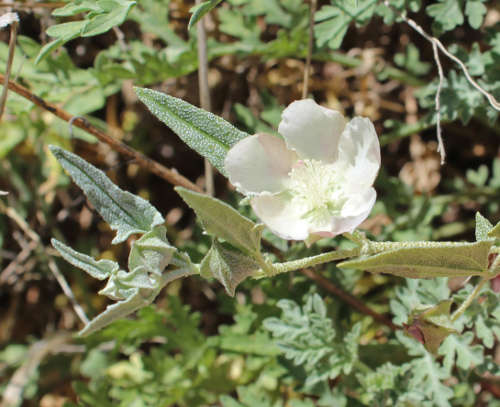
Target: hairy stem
{"points": [[287, 266], [472, 296]]}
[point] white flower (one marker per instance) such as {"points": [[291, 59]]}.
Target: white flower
{"points": [[317, 181], [7, 19]]}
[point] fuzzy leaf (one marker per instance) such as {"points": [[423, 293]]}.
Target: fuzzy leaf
{"points": [[200, 10], [435, 260], [222, 221], [431, 325], [459, 346], [115, 311], [447, 14], [475, 11], [483, 227], [495, 231], [100, 269], [209, 135], [125, 212], [151, 252], [228, 266]]}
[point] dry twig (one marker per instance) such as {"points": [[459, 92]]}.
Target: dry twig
{"points": [[170, 175], [435, 45], [13, 20], [307, 68], [349, 299]]}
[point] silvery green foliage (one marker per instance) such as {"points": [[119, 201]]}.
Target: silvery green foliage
{"points": [[149, 255], [209, 135], [124, 212], [306, 336], [222, 221], [229, 266], [427, 259], [200, 10]]}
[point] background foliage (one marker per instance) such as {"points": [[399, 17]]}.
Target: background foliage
{"points": [[286, 341]]}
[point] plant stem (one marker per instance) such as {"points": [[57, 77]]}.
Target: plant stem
{"points": [[170, 175], [348, 298], [307, 68], [204, 91], [472, 296], [285, 267]]}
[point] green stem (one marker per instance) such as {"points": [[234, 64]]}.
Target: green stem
{"points": [[472, 296], [285, 267]]}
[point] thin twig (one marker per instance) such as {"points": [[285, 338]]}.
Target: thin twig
{"points": [[67, 291], [35, 242], [438, 44], [310, 44], [204, 91], [8, 68], [349, 299], [439, 135], [494, 103], [13, 392], [170, 175]]}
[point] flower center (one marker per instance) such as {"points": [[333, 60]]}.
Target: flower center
{"points": [[316, 190]]}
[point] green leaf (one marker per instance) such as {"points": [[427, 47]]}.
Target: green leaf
{"points": [[151, 252], [483, 227], [333, 21], [208, 134], [431, 325], [228, 266], [200, 10], [430, 260], [125, 212], [222, 221], [475, 11], [102, 15], [447, 14], [459, 346], [100, 269], [115, 311]]}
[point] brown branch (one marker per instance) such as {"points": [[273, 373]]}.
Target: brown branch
{"points": [[170, 175], [21, 5], [8, 68], [349, 299]]}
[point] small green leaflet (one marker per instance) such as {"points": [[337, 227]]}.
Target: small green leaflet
{"points": [[437, 260], [459, 346], [102, 15], [222, 221], [125, 212], [229, 267], [207, 134], [200, 10], [495, 231], [483, 227], [100, 269]]}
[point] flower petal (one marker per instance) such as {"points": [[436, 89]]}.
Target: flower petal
{"points": [[259, 163], [355, 210], [359, 152], [279, 215], [312, 130]]}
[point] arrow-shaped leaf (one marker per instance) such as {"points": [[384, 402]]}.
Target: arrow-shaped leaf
{"points": [[126, 213], [207, 134], [439, 260]]}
